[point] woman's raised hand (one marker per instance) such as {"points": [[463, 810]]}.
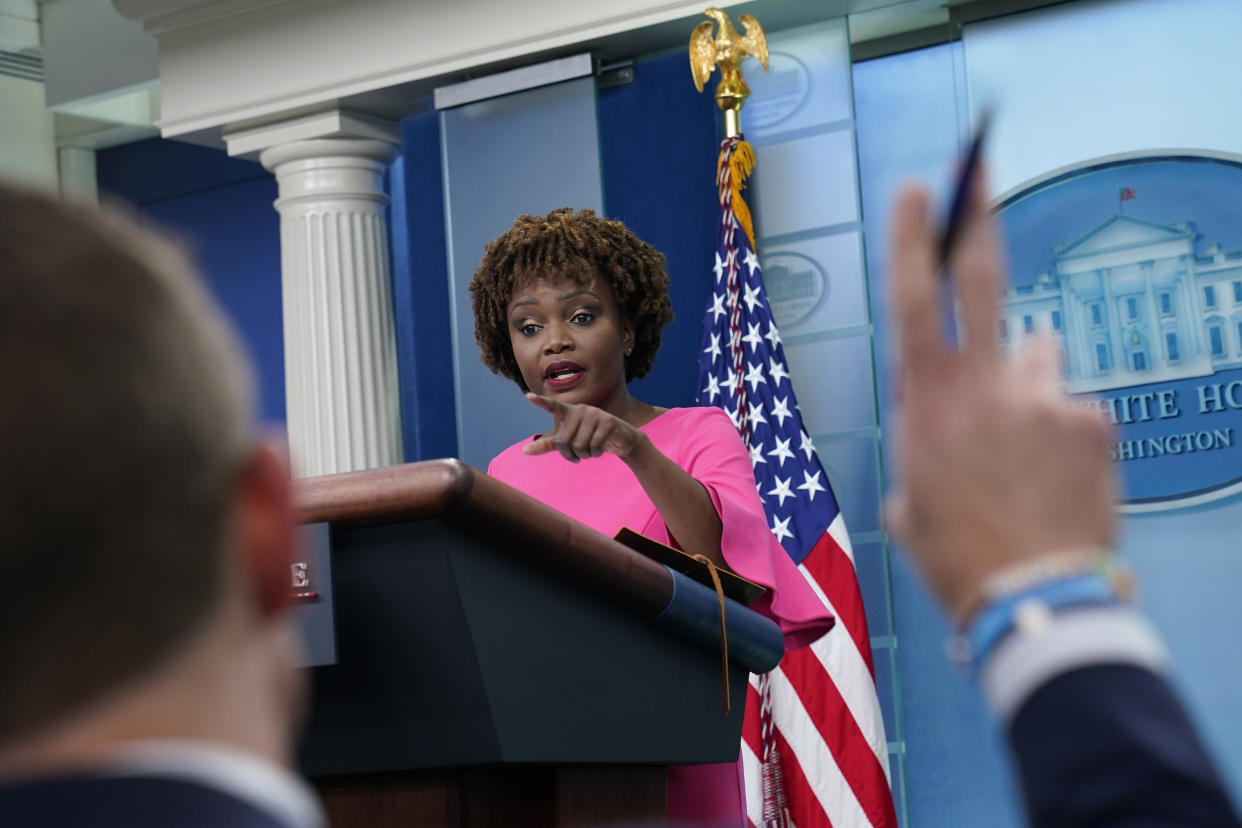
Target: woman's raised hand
{"points": [[580, 431]]}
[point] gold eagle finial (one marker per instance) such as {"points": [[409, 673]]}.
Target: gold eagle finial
{"points": [[726, 49]]}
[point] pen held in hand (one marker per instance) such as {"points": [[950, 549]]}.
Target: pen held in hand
{"points": [[961, 192]]}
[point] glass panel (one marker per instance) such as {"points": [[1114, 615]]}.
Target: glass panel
{"points": [[852, 469], [885, 688], [834, 383], [808, 84], [805, 184], [873, 584], [816, 284]]}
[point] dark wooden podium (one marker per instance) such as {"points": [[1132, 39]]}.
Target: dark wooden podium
{"points": [[499, 663]]}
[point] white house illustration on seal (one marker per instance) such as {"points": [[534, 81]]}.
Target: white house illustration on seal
{"points": [[1131, 303]]}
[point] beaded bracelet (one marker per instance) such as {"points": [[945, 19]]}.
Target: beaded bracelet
{"points": [[1013, 579], [1026, 596]]}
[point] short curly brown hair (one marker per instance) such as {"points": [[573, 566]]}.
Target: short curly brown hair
{"points": [[565, 244]]}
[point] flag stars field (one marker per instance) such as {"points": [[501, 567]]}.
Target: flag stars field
{"points": [[714, 348], [782, 490], [755, 416], [773, 336], [752, 262], [807, 446], [713, 388], [781, 452], [811, 485], [777, 370], [751, 298], [780, 528], [780, 410], [754, 375], [753, 338]]}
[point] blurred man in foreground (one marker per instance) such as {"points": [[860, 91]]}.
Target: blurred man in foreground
{"points": [[1006, 504], [145, 636]]}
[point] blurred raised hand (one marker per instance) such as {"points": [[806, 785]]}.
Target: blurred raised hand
{"points": [[994, 465]]}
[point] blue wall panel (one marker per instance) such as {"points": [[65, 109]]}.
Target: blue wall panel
{"points": [[221, 208], [421, 293], [156, 169], [658, 141]]}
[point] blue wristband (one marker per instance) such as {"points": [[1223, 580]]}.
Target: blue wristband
{"points": [[997, 620]]}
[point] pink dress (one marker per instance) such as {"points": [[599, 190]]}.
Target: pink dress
{"points": [[604, 494]]}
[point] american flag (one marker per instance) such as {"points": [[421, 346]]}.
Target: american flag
{"points": [[813, 745]]}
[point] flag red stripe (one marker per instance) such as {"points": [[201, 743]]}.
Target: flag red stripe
{"points": [[751, 733], [833, 570], [840, 731], [804, 806]]}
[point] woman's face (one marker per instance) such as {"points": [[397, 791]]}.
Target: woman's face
{"points": [[570, 341]]}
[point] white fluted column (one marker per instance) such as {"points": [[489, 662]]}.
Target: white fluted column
{"points": [[341, 391]]}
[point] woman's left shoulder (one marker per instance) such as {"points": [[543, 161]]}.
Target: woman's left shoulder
{"points": [[694, 417], [701, 426]]}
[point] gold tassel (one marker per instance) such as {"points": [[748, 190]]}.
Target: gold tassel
{"points": [[741, 163]]}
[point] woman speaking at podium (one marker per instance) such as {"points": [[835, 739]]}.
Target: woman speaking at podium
{"points": [[570, 307]]}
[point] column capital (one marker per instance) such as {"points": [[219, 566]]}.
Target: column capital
{"points": [[314, 149], [335, 124], [329, 172]]}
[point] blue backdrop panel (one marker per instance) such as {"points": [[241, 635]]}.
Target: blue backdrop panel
{"points": [[421, 293], [156, 169], [222, 208], [658, 143]]}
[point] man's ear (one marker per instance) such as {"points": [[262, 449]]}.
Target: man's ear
{"points": [[267, 538]]}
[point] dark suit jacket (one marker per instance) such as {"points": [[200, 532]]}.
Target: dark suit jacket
{"points": [[125, 802], [1112, 746]]}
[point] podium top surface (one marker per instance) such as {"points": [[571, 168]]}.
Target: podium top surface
{"points": [[457, 493]]}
